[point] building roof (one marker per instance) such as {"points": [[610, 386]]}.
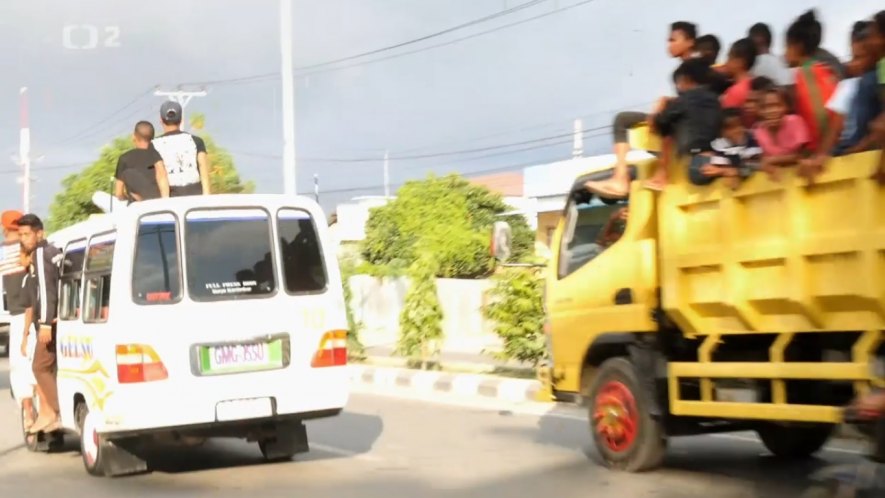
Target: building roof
{"points": [[556, 179], [508, 184]]}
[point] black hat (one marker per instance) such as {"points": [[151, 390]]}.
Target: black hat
{"points": [[170, 112]]}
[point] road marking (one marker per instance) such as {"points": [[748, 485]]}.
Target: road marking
{"points": [[559, 411], [345, 453]]}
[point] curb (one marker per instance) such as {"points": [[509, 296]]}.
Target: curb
{"points": [[485, 386], [454, 367]]}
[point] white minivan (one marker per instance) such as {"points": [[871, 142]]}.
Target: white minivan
{"points": [[196, 317]]}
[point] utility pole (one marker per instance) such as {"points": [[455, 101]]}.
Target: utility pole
{"points": [[578, 144], [316, 187], [182, 97], [386, 174], [24, 151], [288, 79]]}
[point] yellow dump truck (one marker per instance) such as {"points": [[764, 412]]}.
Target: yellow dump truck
{"points": [[713, 309]]}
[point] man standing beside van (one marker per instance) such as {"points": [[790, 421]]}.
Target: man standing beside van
{"points": [[45, 259], [21, 377], [187, 164], [141, 174]]}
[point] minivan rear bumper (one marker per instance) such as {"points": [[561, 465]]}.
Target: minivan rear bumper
{"points": [[236, 428]]}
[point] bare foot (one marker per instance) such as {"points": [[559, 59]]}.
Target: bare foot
{"points": [[656, 183], [609, 189], [44, 424]]}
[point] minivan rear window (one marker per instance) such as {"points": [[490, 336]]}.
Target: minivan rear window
{"points": [[228, 254], [156, 277]]}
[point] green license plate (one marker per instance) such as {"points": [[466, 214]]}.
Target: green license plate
{"points": [[243, 357]]}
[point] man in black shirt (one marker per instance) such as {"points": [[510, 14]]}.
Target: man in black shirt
{"points": [[141, 174], [21, 377], [45, 261], [184, 155]]}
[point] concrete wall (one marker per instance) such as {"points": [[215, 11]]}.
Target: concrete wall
{"points": [[377, 303]]}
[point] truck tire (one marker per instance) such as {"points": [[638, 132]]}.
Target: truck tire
{"points": [[625, 434], [795, 441]]}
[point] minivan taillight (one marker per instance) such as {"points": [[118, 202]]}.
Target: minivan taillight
{"points": [[332, 351], [139, 363]]}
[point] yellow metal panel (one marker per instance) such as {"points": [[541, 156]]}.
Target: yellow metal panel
{"points": [[800, 371], [758, 411], [775, 256]]}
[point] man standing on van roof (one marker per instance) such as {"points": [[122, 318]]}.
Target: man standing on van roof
{"points": [[45, 260], [141, 174], [187, 164]]}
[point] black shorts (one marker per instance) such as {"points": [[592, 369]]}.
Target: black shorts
{"points": [[192, 189]]}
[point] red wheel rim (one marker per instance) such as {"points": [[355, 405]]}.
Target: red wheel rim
{"points": [[615, 417]]}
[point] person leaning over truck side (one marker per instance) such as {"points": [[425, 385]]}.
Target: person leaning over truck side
{"points": [[185, 156], [735, 153], [141, 174], [44, 301], [877, 44], [815, 81], [21, 377], [783, 137]]}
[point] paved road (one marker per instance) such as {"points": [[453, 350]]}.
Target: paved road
{"points": [[385, 446]]}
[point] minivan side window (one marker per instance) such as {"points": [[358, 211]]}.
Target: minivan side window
{"points": [[97, 278], [156, 270], [70, 281], [300, 254], [590, 228]]}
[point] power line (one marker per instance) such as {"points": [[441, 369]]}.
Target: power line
{"points": [[446, 153], [91, 129], [322, 67], [446, 31]]}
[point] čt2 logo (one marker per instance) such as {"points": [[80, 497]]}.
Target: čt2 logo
{"points": [[90, 37]]}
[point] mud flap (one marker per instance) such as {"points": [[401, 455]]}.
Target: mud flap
{"points": [[120, 459], [645, 358]]}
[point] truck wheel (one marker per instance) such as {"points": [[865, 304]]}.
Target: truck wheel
{"points": [[627, 437], [289, 440], [794, 442]]}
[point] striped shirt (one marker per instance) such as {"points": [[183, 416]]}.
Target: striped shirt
{"points": [[10, 262]]}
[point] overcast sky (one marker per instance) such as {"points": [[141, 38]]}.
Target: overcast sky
{"points": [[519, 83]]}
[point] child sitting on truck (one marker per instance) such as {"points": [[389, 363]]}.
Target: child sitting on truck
{"points": [[735, 154]]}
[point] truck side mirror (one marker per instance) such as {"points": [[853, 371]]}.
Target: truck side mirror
{"points": [[501, 245]]}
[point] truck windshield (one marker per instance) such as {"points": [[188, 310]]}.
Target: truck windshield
{"points": [[228, 254]]}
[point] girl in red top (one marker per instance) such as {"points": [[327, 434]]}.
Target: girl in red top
{"points": [[815, 81]]}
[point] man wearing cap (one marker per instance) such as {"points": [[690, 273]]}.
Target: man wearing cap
{"points": [[187, 164], [21, 377]]}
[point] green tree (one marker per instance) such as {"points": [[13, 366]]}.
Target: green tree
{"points": [[517, 309], [355, 348], [421, 318], [451, 218], [74, 202]]}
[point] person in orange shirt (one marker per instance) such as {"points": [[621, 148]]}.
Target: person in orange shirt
{"points": [[741, 59], [815, 81]]}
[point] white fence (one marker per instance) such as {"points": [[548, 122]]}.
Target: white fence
{"points": [[377, 303]]}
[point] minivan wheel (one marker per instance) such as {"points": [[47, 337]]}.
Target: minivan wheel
{"points": [[626, 436], [92, 445]]}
